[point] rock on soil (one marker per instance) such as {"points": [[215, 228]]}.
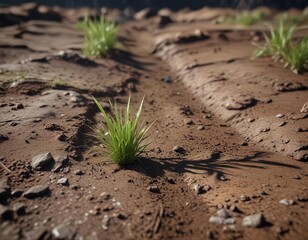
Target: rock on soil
{"points": [[63, 232], [19, 208], [36, 191], [287, 202], [153, 189], [222, 217], [305, 108], [42, 161], [105, 222], [63, 181], [179, 149], [256, 220]]}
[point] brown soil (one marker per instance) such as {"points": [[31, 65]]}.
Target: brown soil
{"points": [[223, 151]]}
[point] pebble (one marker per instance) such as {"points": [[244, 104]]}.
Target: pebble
{"points": [[63, 181], [199, 189], [188, 121], [19, 208], [5, 188], [5, 213], [250, 120], [153, 188], [305, 108], [255, 220], [244, 198], [179, 149], [79, 172], [16, 193], [168, 79], [200, 128], [170, 180], [223, 213], [279, 115], [105, 222], [234, 208], [62, 137], [63, 232], [36, 191], [287, 202], [42, 161], [221, 221]]}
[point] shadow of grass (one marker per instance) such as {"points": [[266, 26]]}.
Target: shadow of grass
{"points": [[214, 165]]}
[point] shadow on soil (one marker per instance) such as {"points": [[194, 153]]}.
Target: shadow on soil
{"points": [[213, 165], [129, 59]]}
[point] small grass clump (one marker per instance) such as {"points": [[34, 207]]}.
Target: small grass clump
{"points": [[246, 18], [121, 137], [100, 36], [280, 45], [276, 42], [297, 56]]}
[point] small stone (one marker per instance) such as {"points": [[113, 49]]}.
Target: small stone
{"points": [[234, 208], [105, 222], [188, 121], [305, 108], [37, 120], [244, 198], [168, 79], [105, 196], [42, 161], [5, 213], [250, 120], [36, 191], [63, 232], [153, 188], [19, 208], [62, 137], [121, 216], [20, 106], [198, 189], [179, 149], [229, 228], [256, 220], [279, 115], [223, 213], [221, 221], [200, 128], [5, 188], [79, 172], [170, 180], [63, 181], [16, 193], [223, 178], [287, 202]]}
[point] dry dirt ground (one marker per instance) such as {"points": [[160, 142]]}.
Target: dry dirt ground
{"points": [[237, 124]]}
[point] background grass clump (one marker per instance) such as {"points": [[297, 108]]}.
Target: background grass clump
{"points": [[281, 46], [121, 137], [100, 36], [246, 18]]}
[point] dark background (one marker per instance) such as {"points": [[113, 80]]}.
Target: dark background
{"points": [[173, 4]]}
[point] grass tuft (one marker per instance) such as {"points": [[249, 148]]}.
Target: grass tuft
{"points": [[280, 45], [246, 18], [297, 56], [100, 36], [121, 137]]}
